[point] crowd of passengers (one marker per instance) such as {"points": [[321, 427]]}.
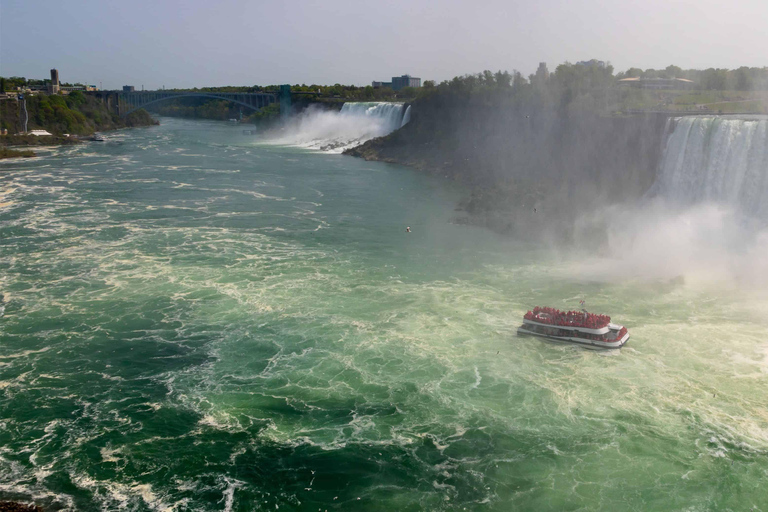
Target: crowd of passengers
{"points": [[552, 316]]}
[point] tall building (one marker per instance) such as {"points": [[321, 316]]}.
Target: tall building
{"points": [[54, 87], [542, 73], [128, 88], [398, 82]]}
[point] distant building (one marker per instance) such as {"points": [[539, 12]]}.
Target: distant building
{"points": [[66, 89], [39, 133], [53, 87], [128, 88], [542, 73], [399, 82], [657, 83]]}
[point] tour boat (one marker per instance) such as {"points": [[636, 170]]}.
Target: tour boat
{"points": [[578, 327]]}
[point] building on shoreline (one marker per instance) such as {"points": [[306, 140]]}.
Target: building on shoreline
{"points": [[657, 83], [399, 82], [66, 89], [54, 87]]}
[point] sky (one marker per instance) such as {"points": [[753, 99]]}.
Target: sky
{"points": [[197, 43]]}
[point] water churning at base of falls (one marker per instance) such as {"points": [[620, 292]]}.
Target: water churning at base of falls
{"points": [[334, 131]]}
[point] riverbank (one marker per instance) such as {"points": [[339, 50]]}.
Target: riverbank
{"points": [[35, 140], [13, 153], [9, 506], [9, 144]]}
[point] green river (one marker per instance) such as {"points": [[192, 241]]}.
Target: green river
{"points": [[196, 320]]}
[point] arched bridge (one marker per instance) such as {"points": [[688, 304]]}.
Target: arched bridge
{"points": [[128, 102]]}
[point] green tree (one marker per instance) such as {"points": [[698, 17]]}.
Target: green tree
{"points": [[714, 79], [673, 72], [503, 79], [744, 79]]}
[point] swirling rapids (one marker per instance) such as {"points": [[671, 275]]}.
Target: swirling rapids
{"points": [[194, 321]]}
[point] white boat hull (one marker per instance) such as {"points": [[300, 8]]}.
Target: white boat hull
{"points": [[590, 344]]}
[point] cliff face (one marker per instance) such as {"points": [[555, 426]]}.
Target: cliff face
{"points": [[513, 161]]}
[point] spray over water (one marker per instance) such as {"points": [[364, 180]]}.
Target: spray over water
{"points": [[334, 131], [706, 216]]}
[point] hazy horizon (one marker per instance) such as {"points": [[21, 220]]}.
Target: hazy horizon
{"points": [[196, 44]]}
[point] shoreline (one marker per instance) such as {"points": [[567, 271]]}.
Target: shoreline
{"points": [[6, 153], [15, 506], [10, 144]]}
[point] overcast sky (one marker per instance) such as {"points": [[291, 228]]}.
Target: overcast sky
{"points": [[239, 42]]}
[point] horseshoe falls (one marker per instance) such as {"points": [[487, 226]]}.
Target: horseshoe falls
{"points": [[195, 319], [717, 159], [334, 131]]}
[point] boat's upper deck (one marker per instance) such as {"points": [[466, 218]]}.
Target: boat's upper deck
{"points": [[577, 320]]}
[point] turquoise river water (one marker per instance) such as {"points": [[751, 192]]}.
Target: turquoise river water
{"points": [[196, 321]]}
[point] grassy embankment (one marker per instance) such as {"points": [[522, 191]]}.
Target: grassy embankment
{"points": [[13, 153], [734, 102]]}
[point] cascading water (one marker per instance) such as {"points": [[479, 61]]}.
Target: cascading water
{"points": [[706, 216], [406, 117], [390, 114], [717, 160], [354, 124]]}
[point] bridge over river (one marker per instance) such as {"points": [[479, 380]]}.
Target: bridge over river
{"points": [[125, 102]]}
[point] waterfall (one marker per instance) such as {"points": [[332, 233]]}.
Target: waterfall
{"points": [[390, 114], [717, 160], [335, 131], [406, 117], [705, 218]]}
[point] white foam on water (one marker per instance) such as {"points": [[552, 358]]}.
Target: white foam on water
{"points": [[229, 493], [112, 494]]}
